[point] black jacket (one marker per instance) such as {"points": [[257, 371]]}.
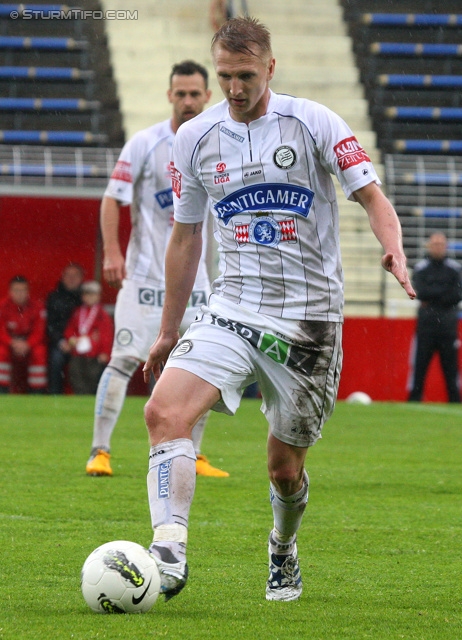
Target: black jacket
{"points": [[438, 283], [60, 304]]}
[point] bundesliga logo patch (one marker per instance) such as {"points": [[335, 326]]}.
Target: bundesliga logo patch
{"points": [[349, 152], [266, 231]]}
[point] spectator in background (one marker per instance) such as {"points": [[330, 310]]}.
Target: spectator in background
{"points": [[222, 10], [438, 284], [60, 304], [22, 336], [88, 339]]}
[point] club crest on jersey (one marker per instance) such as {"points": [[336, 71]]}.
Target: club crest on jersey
{"points": [[266, 231], [265, 197], [176, 180], [284, 157], [164, 198], [349, 152]]}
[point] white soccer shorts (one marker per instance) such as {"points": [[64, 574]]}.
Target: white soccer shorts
{"points": [[137, 317], [298, 380]]}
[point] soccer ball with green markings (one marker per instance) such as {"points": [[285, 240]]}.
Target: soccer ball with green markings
{"points": [[120, 577]]}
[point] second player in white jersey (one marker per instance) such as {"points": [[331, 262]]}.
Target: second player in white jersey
{"points": [[141, 178], [268, 186]]}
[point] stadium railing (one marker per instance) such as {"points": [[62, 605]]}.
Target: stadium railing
{"points": [[56, 166]]}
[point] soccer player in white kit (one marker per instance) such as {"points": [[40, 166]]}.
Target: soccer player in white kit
{"points": [[264, 162], [141, 178]]}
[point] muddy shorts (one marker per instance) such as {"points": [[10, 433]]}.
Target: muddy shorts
{"points": [[298, 378]]}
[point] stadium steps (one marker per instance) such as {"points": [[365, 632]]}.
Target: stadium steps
{"points": [[46, 61], [314, 59]]}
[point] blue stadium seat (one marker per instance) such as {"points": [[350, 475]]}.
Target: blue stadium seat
{"points": [[51, 137], [423, 113], [419, 80], [47, 104], [438, 212], [45, 73], [86, 171], [53, 44], [428, 146], [419, 49], [445, 179], [414, 19], [45, 9]]}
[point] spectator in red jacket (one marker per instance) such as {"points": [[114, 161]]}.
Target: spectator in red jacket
{"points": [[22, 336], [88, 338]]}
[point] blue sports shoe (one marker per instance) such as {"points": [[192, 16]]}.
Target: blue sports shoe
{"points": [[285, 581], [173, 574]]}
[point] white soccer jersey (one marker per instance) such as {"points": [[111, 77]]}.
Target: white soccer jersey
{"points": [[274, 203], [141, 178]]}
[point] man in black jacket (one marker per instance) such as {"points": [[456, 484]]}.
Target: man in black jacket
{"points": [[60, 304], [437, 281]]}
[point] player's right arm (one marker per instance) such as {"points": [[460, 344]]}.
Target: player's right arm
{"points": [[181, 262], [114, 262]]}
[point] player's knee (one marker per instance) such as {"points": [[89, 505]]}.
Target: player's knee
{"points": [[287, 479], [125, 366], [157, 416]]}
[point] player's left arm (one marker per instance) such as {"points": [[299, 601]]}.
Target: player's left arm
{"points": [[387, 229]]}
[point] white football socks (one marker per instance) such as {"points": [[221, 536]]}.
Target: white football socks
{"points": [[171, 484], [198, 433], [288, 513], [110, 397]]}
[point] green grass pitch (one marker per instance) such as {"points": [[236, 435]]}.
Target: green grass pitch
{"points": [[380, 544]]}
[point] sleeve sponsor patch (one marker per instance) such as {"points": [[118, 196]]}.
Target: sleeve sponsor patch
{"points": [[349, 152], [176, 180], [122, 171]]}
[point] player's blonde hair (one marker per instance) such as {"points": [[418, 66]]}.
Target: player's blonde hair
{"points": [[239, 34]]}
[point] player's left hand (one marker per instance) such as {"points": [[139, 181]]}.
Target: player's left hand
{"points": [[158, 354], [397, 266]]}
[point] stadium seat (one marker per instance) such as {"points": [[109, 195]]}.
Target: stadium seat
{"points": [[45, 9], [437, 212], [50, 104], [54, 44], [415, 49], [455, 246], [45, 73], [428, 146], [419, 80], [450, 178], [411, 19], [86, 171], [51, 137], [423, 113]]}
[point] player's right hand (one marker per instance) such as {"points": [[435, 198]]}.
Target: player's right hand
{"points": [[158, 354], [114, 270]]}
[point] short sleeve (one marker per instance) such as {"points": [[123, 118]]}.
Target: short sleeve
{"points": [[189, 195], [342, 154], [127, 170]]}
